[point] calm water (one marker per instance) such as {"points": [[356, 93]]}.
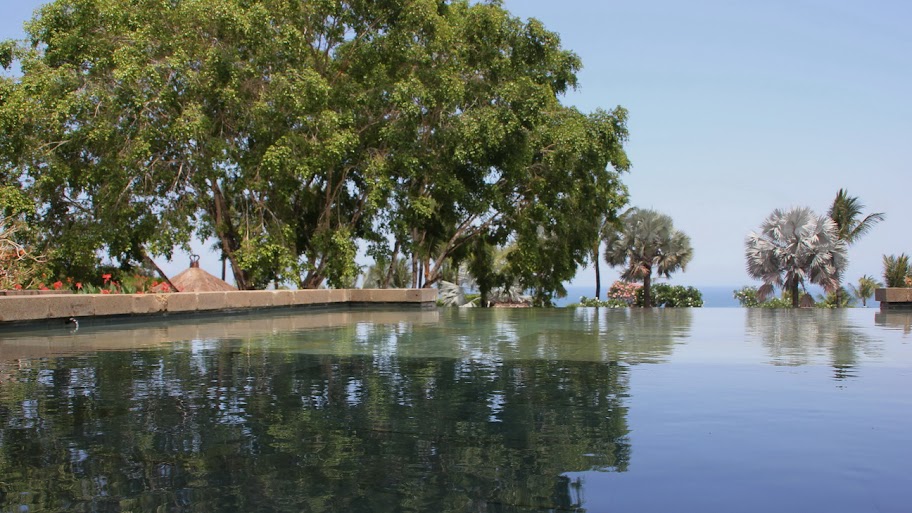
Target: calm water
{"points": [[464, 410]]}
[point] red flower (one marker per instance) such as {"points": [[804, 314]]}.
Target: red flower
{"points": [[106, 277], [105, 291], [78, 285], [18, 287], [43, 287], [166, 287], [58, 285]]}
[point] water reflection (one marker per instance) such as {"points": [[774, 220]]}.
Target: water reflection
{"points": [[901, 320], [458, 410], [385, 422], [800, 337]]}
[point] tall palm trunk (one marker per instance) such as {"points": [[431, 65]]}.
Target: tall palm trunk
{"points": [[598, 278], [647, 290]]}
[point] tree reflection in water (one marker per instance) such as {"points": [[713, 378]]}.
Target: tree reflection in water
{"points": [[799, 337], [485, 412]]}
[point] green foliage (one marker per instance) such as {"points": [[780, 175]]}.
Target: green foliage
{"points": [[836, 299], [265, 261], [747, 297], [865, 288], [750, 297], [604, 303], [670, 296], [399, 275], [292, 131], [846, 211], [896, 269], [647, 243]]}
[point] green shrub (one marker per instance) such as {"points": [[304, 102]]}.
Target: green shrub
{"points": [[747, 297], [607, 303], [672, 296]]}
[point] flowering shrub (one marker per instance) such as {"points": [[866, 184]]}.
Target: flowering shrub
{"points": [[127, 284], [624, 291]]}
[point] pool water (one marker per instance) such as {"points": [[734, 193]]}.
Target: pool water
{"points": [[463, 410]]}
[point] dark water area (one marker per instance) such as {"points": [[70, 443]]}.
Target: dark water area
{"points": [[463, 410]]}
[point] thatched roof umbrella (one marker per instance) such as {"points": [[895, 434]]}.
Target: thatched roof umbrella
{"points": [[195, 279]]}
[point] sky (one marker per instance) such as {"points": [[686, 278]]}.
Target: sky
{"points": [[736, 108]]}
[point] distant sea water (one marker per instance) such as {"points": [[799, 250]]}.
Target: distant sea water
{"points": [[713, 296]]}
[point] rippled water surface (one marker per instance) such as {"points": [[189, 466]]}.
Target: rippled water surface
{"points": [[463, 410]]}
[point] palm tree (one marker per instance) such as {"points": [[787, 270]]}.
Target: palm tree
{"points": [[384, 274], [793, 248], [865, 288], [846, 213], [896, 270], [647, 242]]}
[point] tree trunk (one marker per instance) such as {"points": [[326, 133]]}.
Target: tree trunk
{"points": [[647, 290], [227, 235], [393, 261], [148, 261], [598, 277], [794, 295]]}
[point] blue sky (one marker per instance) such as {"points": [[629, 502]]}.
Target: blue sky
{"points": [[737, 108]]}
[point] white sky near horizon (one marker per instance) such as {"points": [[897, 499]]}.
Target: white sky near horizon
{"points": [[736, 108]]}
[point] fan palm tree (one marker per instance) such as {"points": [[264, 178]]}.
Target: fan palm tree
{"points": [[647, 242], [865, 288], [850, 226], [793, 248]]}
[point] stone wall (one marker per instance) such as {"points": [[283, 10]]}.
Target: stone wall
{"points": [[18, 309], [894, 298]]}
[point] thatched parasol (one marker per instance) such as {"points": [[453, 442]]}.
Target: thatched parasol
{"points": [[195, 279]]}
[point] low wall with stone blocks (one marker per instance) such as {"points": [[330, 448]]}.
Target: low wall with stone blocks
{"points": [[17, 309], [894, 298]]}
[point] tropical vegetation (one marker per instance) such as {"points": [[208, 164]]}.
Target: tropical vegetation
{"points": [[865, 288], [846, 213], [294, 134], [793, 248], [662, 295], [897, 270], [647, 243]]}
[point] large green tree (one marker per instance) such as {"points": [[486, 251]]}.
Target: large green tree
{"points": [[290, 131], [793, 248], [647, 243]]}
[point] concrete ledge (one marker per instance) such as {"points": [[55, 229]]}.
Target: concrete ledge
{"points": [[894, 298], [26, 308]]}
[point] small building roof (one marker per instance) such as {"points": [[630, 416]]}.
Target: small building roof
{"points": [[195, 279]]}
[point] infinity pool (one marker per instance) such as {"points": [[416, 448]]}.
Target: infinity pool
{"points": [[463, 410]]}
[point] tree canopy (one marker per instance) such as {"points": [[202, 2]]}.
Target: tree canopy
{"points": [[293, 132]]}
